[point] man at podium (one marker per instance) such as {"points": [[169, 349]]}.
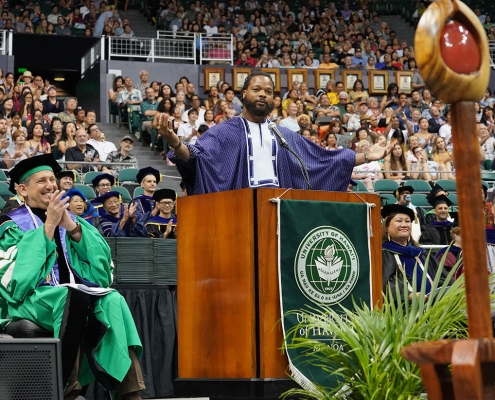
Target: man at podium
{"points": [[243, 152]]}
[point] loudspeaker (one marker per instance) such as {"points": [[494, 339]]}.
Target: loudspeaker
{"points": [[30, 369]]}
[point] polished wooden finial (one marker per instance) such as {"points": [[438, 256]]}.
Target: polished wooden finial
{"points": [[452, 52]]}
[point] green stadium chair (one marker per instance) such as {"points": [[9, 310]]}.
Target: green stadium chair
{"points": [[138, 192], [128, 175], [453, 199], [126, 196], [5, 192], [419, 200], [361, 187], [387, 199], [86, 190], [448, 185], [487, 164], [88, 178], [3, 176], [419, 186], [385, 185], [488, 176]]}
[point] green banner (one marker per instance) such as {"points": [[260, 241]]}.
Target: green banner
{"points": [[324, 258]]}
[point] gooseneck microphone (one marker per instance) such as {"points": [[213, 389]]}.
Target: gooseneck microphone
{"points": [[272, 126]]}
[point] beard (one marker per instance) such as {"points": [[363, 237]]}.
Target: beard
{"points": [[259, 110]]}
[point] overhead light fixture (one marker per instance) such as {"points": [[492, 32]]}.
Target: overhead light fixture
{"points": [[59, 77]]}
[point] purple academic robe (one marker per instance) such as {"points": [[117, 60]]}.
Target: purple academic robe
{"points": [[219, 162]]}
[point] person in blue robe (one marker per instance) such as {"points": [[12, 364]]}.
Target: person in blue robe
{"points": [[118, 223], [438, 232], [243, 153], [402, 257], [102, 184], [148, 178], [164, 223], [79, 205]]}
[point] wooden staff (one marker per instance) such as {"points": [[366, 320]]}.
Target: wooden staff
{"points": [[455, 64], [452, 52]]}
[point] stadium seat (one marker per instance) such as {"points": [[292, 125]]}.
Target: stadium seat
{"points": [[453, 198], [3, 176], [419, 186], [361, 187], [488, 176], [88, 178], [419, 200], [128, 175], [2, 203], [386, 185], [138, 192], [86, 190], [5, 192], [387, 199], [126, 196], [448, 185], [488, 164]]}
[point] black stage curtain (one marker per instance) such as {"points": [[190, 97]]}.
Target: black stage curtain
{"points": [[154, 308]]}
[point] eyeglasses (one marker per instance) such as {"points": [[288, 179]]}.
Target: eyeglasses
{"points": [[105, 185], [166, 203]]}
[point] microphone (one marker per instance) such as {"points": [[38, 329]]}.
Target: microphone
{"points": [[274, 129], [272, 126]]}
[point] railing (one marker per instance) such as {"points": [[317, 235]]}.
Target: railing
{"points": [[92, 56], [170, 45], [6, 43], [491, 48]]}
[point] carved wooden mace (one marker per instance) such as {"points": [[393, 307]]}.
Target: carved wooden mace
{"points": [[452, 53]]}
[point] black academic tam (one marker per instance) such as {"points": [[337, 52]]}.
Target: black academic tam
{"points": [[29, 164]]}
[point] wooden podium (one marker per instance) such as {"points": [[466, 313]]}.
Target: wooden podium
{"points": [[229, 335]]}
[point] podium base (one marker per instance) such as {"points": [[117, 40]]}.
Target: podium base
{"points": [[235, 389]]}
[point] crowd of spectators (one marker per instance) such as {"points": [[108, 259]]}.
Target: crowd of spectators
{"points": [[85, 18]]}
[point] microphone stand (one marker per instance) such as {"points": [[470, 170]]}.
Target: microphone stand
{"points": [[283, 143]]}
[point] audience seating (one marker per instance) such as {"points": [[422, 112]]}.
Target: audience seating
{"points": [[488, 176], [387, 199], [88, 178], [361, 187], [128, 175], [419, 200], [86, 190], [453, 198], [126, 196], [448, 185], [5, 192], [419, 186], [385, 185], [138, 192]]}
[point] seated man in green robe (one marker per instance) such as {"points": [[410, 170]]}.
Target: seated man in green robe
{"points": [[55, 270]]}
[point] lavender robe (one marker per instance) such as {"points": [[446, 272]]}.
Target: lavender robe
{"points": [[219, 162]]}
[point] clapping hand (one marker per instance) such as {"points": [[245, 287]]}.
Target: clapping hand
{"points": [[169, 229], [55, 211], [132, 210]]}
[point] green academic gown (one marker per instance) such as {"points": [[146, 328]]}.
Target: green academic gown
{"points": [[27, 258]]}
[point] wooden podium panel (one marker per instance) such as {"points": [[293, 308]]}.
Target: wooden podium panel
{"points": [[228, 294], [216, 286]]}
